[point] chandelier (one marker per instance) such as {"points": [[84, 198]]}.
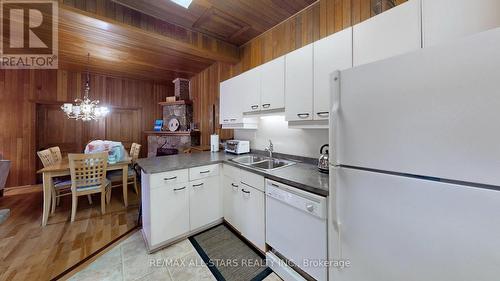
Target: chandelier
{"points": [[85, 109]]}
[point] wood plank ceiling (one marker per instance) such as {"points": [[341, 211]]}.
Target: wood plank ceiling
{"points": [[127, 51], [234, 21]]}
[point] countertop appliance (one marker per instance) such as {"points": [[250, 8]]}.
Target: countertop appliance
{"points": [[237, 146], [296, 228], [323, 161], [415, 165]]}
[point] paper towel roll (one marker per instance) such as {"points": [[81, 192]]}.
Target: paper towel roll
{"points": [[214, 143]]}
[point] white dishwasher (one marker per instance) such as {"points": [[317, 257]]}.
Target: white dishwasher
{"points": [[296, 228]]}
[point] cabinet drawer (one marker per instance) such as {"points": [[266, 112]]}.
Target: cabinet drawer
{"points": [[172, 177], [232, 172], [251, 179], [203, 172]]}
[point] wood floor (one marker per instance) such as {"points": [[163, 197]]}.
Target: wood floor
{"points": [[31, 252]]}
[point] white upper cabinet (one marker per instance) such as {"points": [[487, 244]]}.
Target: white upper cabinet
{"points": [[394, 32], [224, 102], [299, 84], [230, 102], [330, 54], [445, 20], [272, 95], [249, 88]]}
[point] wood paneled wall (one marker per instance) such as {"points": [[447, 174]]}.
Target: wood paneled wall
{"points": [[22, 90], [205, 95]]}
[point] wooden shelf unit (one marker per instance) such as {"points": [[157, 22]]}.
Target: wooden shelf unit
{"points": [[179, 102], [177, 133]]}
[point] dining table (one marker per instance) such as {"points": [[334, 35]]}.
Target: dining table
{"points": [[61, 169]]}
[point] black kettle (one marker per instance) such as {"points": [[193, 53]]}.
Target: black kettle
{"points": [[323, 163]]}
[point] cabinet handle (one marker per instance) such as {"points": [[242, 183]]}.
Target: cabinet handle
{"points": [[275, 185], [303, 115], [205, 172], [226, 120], [266, 105], [169, 179], [323, 114], [255, 106], [233, 119], [234, 185], [179, 189], [245, 191], [197, 185]]}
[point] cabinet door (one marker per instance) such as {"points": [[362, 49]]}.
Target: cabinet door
{"points": [[463, 17], [232, 202], [169, 212], [330, 54], [230, 103], [204, 202], [224, 102], [389, 34], [299, 84], [249, 89], [273, 84], [253, 206]]}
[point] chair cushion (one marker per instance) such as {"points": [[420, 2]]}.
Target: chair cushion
{"points": [[61, 184], [117, 175], [90, 187]]}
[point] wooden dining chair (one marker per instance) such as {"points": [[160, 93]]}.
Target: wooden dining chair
{"points": [[88, 176], [56, 153], [62, 186], [46, 157], [57, 156], [116, 176]]}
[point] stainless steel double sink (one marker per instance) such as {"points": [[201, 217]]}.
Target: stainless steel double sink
{"points": [[262, 162]]}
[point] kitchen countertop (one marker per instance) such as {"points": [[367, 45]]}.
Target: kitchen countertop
{"points": [[302, 175]]}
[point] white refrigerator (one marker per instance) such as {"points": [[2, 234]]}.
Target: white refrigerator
{"points": [[415, 170]]}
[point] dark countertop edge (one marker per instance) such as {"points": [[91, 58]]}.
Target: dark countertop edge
{"points": [[298, 185], [301, 186], [199, 164]]}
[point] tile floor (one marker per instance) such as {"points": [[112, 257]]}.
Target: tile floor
{"points": [[129, 261]]}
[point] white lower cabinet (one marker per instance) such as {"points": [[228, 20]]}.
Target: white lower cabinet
{"points": [[253, 214], [204, 202], [169, 210], [173, 209], [244, 205], [231, 202]]}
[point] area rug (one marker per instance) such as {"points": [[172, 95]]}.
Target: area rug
{"points": [[228, 257]]}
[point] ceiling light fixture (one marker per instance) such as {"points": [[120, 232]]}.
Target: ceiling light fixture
{"points": [[183, 3], [85, 109]]}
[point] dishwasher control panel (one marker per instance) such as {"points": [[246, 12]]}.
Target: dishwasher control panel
{"points": [[308, 202]]}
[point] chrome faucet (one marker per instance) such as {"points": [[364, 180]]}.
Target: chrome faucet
{"points": [[270, 149]]}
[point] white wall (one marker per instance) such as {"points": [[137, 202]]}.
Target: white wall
{"points": [[301, 142]]}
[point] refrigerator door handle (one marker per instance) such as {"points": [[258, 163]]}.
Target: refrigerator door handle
{"points": [[334, 115], [335, 218]]}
